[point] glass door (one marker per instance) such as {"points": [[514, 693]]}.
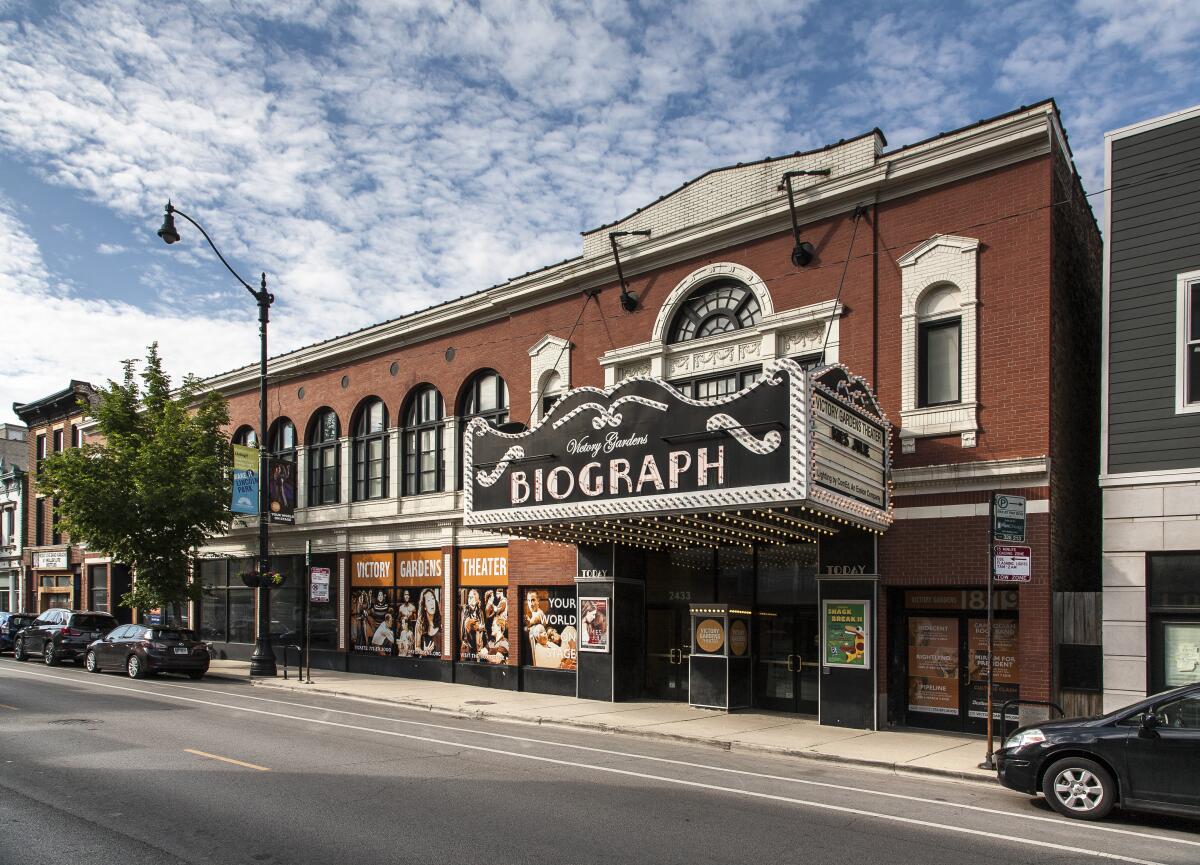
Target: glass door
{"points": [[668, 646], [786, 659]]}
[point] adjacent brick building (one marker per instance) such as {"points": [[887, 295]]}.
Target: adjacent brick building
{"points": [[959, 276]]}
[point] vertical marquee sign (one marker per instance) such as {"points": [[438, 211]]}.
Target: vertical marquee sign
{"points": [[642, 447]]}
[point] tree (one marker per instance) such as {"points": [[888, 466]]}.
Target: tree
{"points": [[155, 488]]}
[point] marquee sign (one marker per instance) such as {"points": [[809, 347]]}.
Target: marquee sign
{"points": [[642, 447]]}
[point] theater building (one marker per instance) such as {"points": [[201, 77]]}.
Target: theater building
{"points": [[738, 451]]}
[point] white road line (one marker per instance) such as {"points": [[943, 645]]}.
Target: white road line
{"points": [[823, 806], [1058, 821]]}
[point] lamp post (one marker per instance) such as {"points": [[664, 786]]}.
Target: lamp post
{"points": [[262, 662]]}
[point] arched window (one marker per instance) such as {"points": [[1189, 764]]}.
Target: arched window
{"points": [[486, 397], [715, 307], [283, 440], [324, 458], [939, 346], [370, 450], [424, 447], [246, 436], [552, 390]]}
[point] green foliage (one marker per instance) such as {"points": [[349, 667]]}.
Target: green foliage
{"points": [[156, 488]]}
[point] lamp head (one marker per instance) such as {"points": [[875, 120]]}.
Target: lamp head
{"points": [[803, 254], [168, 232]]}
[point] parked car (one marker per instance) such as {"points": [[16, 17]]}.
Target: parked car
{"points": [[10, 623], [61, 635], [145, 650], [1145, 757]]}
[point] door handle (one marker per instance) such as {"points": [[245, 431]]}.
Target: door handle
{"points": [[791, 663], [676, 656]]}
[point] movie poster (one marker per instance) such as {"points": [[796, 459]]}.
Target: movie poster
{"points": [[550, 627], [483, 624], [933, 665], [594, 624]]}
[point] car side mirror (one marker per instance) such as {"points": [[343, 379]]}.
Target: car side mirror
{"points": [[1149, 726]]}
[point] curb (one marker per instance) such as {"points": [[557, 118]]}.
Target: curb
{"points": [[472, 713]]}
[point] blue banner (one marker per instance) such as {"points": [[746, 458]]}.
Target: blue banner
{"points": [[245, 493]]}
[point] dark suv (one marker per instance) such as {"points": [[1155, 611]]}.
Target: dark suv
{"points": [[10, 623], [61, 635]]}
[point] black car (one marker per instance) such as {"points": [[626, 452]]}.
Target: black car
{"points": [[1145, 757], [10, 623], [144, 650], [61, 635]]}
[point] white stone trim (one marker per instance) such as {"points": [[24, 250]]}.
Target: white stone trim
{"points": [[978, 509], [1159, 476], [1183, 282], [941, 260], [549, 354], [1024, 472]]}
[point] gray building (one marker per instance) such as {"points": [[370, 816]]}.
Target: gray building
{"points": [[14, 453], [1150, 454]]}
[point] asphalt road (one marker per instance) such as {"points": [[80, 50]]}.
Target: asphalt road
{"points": [[99, 769]]}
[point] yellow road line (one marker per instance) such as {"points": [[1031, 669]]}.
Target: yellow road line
{"points": [[6, 706], [226, 760]]}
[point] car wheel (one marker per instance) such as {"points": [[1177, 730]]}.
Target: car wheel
{"points": [[135, 667], [19, 651], [50, 656], [90, 662], [1081, 788], [195, 675]]}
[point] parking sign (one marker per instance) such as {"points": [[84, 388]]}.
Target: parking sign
{"points": [[1008, 518]]}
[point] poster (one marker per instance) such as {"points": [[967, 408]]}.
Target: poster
{"points": [[372, 621], [1181, 648], [933, 665], [551, 627], [1006, 666], [425, 622], [281, 492], [594, 624], [319, 586], [739, 637], [709, 637], [846, 634], [483, 624], [245, 480]]}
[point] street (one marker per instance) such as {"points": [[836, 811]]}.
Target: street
{"points": [[99, 768]]}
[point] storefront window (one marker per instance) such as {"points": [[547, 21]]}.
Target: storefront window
{"points": [[1174, 611], [323, 630], [550, 627], [227, 609], [787, 574], [241, 615]]}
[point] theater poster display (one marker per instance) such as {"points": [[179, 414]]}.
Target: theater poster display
{"points": [[483, 605], [1006, 666], [418, 595], [372, 610], [846, 627], [933, 665], [594, 624], [550, 626]]}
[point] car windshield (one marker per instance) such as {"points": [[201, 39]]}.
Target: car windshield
{"points": [[94, 623], [174, 634]]}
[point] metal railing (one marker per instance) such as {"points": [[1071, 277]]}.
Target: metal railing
{"points": [[299, 661]]}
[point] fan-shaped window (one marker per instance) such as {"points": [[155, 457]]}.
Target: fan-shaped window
{"points": [[716, 307], [424, 445], [552, 391], [486, 397], [245, 436], [283, 441], [324, 458], [370, 451]]}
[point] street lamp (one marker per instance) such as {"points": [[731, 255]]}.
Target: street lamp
{"points": [[262, 662]]}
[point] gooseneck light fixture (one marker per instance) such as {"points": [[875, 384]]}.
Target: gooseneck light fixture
{"points": [[803, 251], [262, 662], [629, 300]]}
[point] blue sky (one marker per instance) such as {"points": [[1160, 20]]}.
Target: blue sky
{"points": [[377, 157]]}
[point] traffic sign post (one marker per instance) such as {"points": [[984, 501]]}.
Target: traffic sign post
{"points": [[1008, 518], [1011, 564]]}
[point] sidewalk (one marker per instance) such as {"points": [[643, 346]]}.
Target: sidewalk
{"points": [[919, 752]]}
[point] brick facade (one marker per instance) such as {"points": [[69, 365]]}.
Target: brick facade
{"points": [[1034, 253]]}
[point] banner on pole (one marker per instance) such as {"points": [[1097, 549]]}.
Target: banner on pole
{"points": [[281, 492], [245, 480]]}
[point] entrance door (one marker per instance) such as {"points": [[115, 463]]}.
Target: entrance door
{"points": [[947, 670], [668, 646], [786, 659]]}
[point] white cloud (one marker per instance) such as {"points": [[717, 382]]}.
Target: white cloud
{"points": [[111, 249]]}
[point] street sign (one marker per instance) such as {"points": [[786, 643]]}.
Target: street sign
{"points": [[1008, 518], [320, 586], [1012, 564]]}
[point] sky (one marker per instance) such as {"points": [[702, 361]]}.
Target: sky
{"points": [[378, 157]]}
